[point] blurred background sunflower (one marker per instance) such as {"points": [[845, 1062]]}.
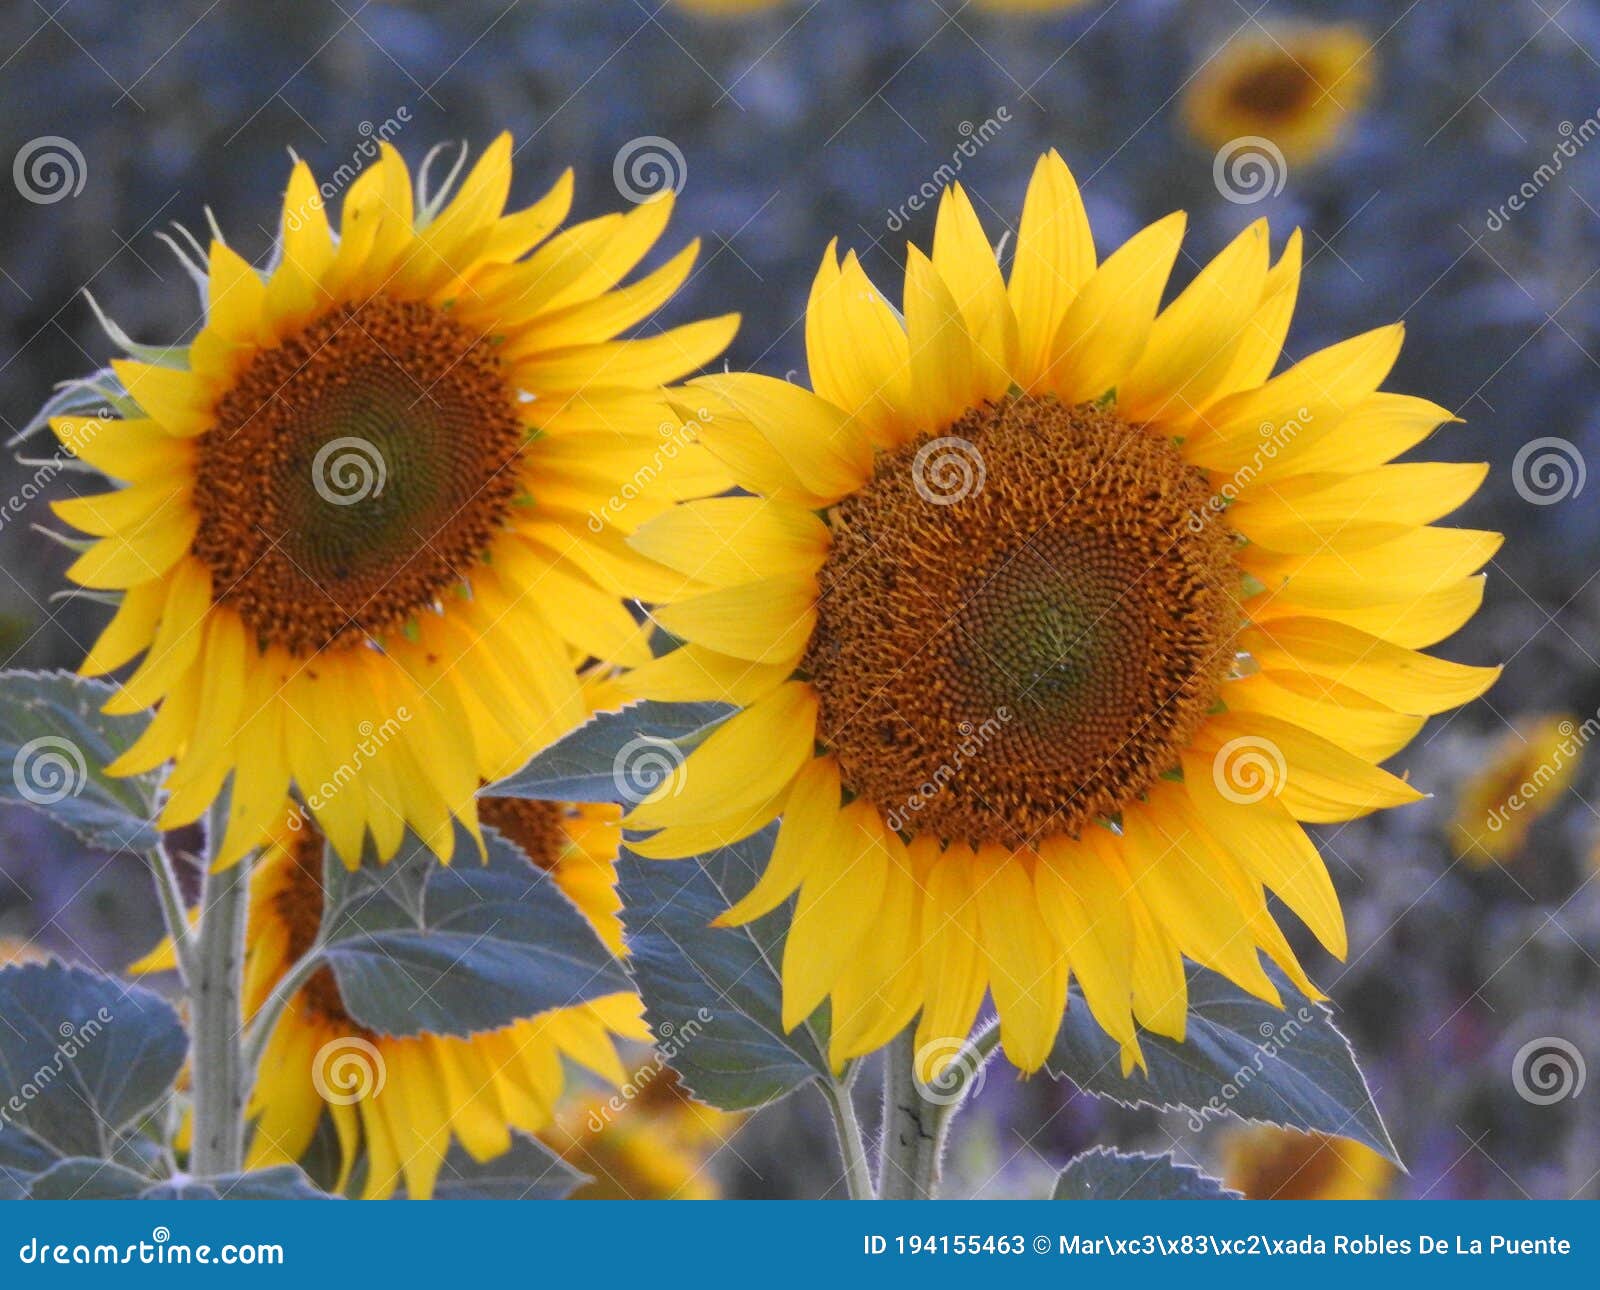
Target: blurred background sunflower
{"points": [[1457, 192]]}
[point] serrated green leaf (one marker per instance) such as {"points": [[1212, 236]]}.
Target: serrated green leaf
{"points": [[54, 746], [417, 946], [617, 756], [82, 1056], [1104, 1174], [1242, 1059], [714, 995]]}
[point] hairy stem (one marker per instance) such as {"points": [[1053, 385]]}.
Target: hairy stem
{"points": [[173, 913], [216, 1060], [852, 1146], [917, 1117]]}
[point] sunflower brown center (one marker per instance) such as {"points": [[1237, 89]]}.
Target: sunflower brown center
{"points": [[536, 827], [355, 472], [1276, 89], [1022, 623], [298, 906]]}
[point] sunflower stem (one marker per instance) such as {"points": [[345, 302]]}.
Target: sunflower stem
{"points": [[265, 1021], [169, 892], [917, 1116], [216, 1061], [852, 1146]]}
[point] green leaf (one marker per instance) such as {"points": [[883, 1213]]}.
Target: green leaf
{"points": [[54, 745], [82, 1058], [417, 946], [617, 756], [22, 1159], [529, 1171], [713, 995], [282, 1182], [1103, 1174], [83, 1179], [1242, 1058]]}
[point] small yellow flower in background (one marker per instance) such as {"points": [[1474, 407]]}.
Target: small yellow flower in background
{"points": [[369, 522], [1268, 1163], [1524, 778], [1053, 615], [1295, 86], [405, 1098], [656, 1145], [16, 950]]}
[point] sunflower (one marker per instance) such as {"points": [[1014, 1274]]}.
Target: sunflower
{"points": [[656, 1145], [407, 1097], [375, 511], [1268, 1163], [1523, 778], [1293, 85], [1051, 618]]}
